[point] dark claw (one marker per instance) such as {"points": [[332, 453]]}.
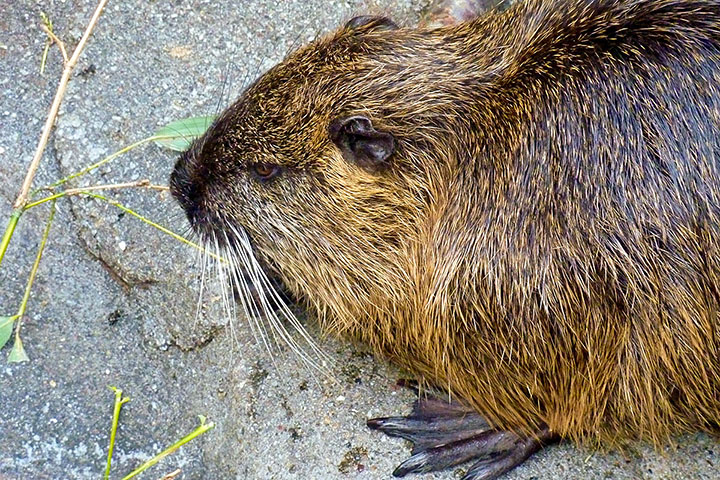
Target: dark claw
{"points": [[489, 468], [432, 422], [446, 434], [403, 426], [430, 432], [488, 444]]}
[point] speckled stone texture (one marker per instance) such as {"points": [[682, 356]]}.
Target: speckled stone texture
{"points": [[115, 301]]}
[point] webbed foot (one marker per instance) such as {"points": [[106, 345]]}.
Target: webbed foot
{"points": [[445, 434]]}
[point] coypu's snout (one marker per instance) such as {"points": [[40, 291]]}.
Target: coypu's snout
{"points": [[188, 184]]}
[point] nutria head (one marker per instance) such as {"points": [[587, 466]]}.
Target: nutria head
{"points": [[325, 162]]}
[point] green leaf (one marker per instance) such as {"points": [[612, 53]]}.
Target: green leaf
{"points": [[17, 354], [180, 134], [6, 328]]}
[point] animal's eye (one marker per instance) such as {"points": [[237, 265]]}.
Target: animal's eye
{"points": [[265, 171]]}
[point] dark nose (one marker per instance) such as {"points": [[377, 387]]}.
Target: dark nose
{"points": [[188, 187]]}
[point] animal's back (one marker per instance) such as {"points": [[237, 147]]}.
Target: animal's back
{"points": [[523, 208], [596, 282]]}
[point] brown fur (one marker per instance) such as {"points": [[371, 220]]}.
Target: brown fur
{"points": [[546, 240]]}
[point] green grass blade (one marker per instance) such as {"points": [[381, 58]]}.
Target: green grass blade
{"points": [[180, 134], [119, 401], [6, 328], [9, 230], [17, 354], [143, 219], [204, 427], [92, 167]]}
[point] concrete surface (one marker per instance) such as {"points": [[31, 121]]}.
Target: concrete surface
{"points": [[114, 303]]}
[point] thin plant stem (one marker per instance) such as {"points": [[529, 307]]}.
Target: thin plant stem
{"points": [[9, 230], [119, 401], [172, 475], [8, 320], [55, 39], [101, 162], [155, 225], [204, 427], [89, 191], [31, 278], [43, 59], [48, 43], [52, 115], [83, 190]]}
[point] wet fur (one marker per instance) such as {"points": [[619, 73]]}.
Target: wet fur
{"points": [[546, 241]]}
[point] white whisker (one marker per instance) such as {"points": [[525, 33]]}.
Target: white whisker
{"points": [[267, 312], [269, 298], [249, 308], [203, 274], [228, 305]]}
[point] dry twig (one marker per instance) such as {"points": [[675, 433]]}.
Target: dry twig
{"points": [[58, 42], [22, 198]]}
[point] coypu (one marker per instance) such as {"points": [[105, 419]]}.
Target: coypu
{"points": [[523, 209]]}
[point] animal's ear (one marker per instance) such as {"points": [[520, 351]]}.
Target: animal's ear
{"points": [[359, 142], [368, 23]]}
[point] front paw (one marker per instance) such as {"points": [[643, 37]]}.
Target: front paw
{"points": [[445, 434]]}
